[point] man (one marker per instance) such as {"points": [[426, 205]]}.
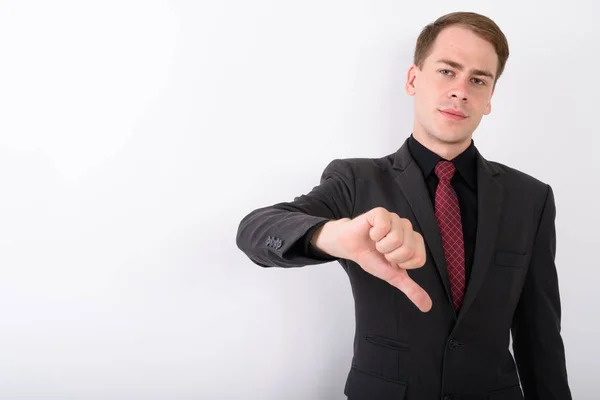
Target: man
{"points": [[447, 253]]}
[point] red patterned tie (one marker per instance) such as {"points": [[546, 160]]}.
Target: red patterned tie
{"points": [[447, 213]]}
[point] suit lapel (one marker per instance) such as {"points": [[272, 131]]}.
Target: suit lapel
{"points": [[412, 185], [489, 204]]}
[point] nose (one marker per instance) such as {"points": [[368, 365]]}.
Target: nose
{"points": [[458, 92]]}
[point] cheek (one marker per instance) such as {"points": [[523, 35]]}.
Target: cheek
{"points": [[430, 94], [424, 105], [482, 99], [483, 108]]}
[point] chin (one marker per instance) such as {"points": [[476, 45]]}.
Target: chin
{"points": [[450, 136]]}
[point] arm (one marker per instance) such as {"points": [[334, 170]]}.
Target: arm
{"points": [[537, 342], [280, 235]]}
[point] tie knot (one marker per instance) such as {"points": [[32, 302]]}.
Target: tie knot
{"points": [[445, 170]]}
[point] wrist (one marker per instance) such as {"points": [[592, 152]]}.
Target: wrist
{"points": [[325, 239]]}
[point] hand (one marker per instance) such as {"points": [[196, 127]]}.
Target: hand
{"points": [[383, 244]]}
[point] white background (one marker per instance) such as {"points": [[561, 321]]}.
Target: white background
{"points": [[134, 136]]}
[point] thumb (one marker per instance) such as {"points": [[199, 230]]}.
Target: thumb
{"points": [[376, 264], [411, 289]]}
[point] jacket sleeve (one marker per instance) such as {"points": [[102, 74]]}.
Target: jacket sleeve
{"points": [[536, 329], [279, 235]]}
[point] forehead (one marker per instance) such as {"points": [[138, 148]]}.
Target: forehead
{"points": [[462, 45]]}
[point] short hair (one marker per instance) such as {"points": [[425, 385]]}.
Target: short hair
{"points": [[479, 24]]}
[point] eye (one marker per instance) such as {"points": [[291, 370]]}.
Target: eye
{"points": [[445, 71], [478, 81]]}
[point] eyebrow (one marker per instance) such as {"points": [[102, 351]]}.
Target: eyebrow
{"points": [[460, 67]]}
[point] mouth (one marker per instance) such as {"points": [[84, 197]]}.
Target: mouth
{"points": [[452, 114]]}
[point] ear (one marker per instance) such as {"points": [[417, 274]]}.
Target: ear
{"points": [[488, 107], [409, 87]]}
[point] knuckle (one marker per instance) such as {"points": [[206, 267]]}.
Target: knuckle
{"points": [[380, 210], [389, 257], [398, 279], [379, 247], [403, 254], [394, 240], [409, 254]]}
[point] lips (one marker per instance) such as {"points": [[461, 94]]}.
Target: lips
{"points": [[453, 111], [453, 114]]}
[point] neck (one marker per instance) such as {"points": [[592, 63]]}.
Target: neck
{"points": [[446, 150]]}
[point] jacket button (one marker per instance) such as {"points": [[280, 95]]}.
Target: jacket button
{"points": [[448, 397], [453, 344]]}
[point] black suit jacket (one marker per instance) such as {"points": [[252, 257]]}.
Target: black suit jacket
{"points": [[403, 353]]}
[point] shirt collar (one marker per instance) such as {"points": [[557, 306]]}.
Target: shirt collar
{"points": [[465, 162]]}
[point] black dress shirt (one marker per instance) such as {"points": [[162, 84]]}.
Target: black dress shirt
{"points": [[464, 183]]}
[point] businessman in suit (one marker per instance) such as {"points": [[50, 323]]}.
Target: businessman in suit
{"points": [[447, 253]]}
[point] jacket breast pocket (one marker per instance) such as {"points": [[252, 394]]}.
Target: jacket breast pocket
{"points": [[510, 259], [511, 393]]}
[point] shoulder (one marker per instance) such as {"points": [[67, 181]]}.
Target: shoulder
{"points": [[359, 168], [523, 185], [517, 176]]}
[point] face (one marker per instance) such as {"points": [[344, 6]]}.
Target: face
{"points": [[454, 88]]}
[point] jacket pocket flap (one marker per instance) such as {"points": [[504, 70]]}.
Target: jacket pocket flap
{"points": [[386, 342], [365, 386], [511, 393], [510, 259]]}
